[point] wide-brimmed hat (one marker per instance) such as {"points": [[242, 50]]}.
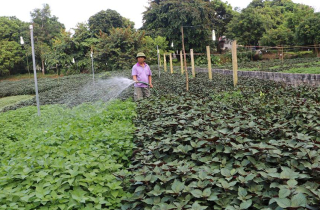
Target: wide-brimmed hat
{"points": [[141, 54]]}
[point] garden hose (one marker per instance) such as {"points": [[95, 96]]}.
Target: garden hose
{"points": [[148, 85]]}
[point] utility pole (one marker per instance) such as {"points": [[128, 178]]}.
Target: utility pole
{"points": [[34, 70], [185, 60]]}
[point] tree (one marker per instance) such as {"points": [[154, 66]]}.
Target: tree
{"points": [[300, 12], [118, 49], [279, 36], [106, 20], [11, 56], [165, 18], [223, 15], [12, 53], [10, 28], [46, 28], [308, 32], [149, 46], [84, 42], [62, 52], [270, 22], [247, 27]]}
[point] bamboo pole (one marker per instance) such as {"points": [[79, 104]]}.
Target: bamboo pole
{"points": [[235, 63], [209, 63], [171, 67], [192, 63], [164, 62], [181, 61], [185, 60]]}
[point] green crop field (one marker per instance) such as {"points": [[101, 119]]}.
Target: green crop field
{"points": [[254, 146], [299, 65], [12, 100]]}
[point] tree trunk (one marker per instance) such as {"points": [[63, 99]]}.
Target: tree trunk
{"points": [[58, 70], [317, 49], [42, 61]]}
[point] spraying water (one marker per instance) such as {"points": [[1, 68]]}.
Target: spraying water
{"points": [[103, 89]]}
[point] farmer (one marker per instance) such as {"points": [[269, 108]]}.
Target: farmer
{"points": [[141, 73]]}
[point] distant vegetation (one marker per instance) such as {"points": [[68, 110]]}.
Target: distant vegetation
{"points": [[114, 41]]}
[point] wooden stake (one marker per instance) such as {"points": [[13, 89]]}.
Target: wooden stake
{"points": [[282, 55], [171, 67], [235, 63], [181, 62], [185, 60], [209, 63], [192, 63], [164, 62]]}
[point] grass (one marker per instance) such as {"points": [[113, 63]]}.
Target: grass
{"points": [[27, 76], [311, 70], [248, 69], [12, 100]]}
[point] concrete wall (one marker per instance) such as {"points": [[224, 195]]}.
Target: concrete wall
{"points": [[294, 79]]}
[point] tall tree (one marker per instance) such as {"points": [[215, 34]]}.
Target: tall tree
{"points": [[271, 22], [308, 32], [279, 36], [62, 53], [12, 55], [84, 42], [149, 46], [46, 27], [247, 27], [165, 18], [118, 49], [105, 20]]}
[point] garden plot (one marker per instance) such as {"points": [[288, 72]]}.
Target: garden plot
{"points": [[219, 147]]}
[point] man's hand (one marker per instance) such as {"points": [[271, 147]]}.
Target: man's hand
{"points": [[151, 85]]}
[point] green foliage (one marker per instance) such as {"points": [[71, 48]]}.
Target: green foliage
{"points": [[46, 28], [84, 42], [310, 70], [118, 49], [62, 54], [270, 22], [277, 37], [12, 100], [10, 56], [149, 47], [10, 49], [308, 31], [51, 91], [10, 27], [165, 18], [203, 60], [105, 20], [67, 158], [247, 27]]}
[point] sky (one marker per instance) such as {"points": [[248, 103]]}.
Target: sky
{"points": [[72, 12]]}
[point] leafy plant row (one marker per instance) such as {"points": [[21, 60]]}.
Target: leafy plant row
{"points": [[253, 147], [67, 158]]}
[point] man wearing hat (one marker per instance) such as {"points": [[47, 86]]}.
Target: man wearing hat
{"points": [[141, 73]]}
